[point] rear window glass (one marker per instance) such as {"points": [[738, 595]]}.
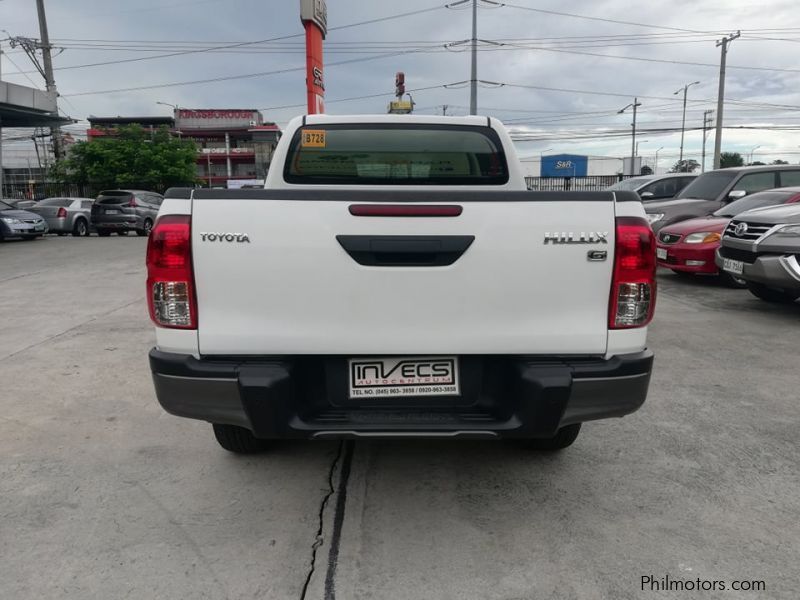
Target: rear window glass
{"points": [[394, 154], [630, 184], [114, 197], [55, 202]]}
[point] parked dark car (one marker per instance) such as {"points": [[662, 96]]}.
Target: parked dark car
{"points": [[121, 211], [713, 190], [65, 215], [16, 223], [655, 187], [762, 248]]}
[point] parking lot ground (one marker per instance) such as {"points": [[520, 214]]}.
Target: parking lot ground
{"points": [[103, 495]]}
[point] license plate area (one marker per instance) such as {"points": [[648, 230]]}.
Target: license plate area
{"points": [[112, 211], [395, 378], [732, 266], [661, 253]]}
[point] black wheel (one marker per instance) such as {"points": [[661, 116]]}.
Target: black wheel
{"points": [[122, 232], [769, 294], [562, 439], [146, 228], [238, 439], [103, 232], [732, 281], [81, 228]]}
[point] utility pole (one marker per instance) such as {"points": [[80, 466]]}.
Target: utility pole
{"points": [[49, 80], [473, 79], [635, 105], [444, 110], [723, 43], [683, 121], [706, 122]]}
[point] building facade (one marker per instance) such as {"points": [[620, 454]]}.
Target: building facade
{"points": [[234, 146]]}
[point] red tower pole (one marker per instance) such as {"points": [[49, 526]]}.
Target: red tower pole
{"points": [[314, 15]]}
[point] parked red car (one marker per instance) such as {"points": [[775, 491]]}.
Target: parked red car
{"points": [[689, 246]]}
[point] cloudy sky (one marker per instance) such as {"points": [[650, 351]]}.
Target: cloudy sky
{"points": [[556, 78]]}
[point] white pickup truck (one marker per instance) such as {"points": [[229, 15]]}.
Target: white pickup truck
{"points": [[395, 278]]}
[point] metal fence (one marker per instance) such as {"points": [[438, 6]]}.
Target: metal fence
{"points": [[44, 189], [581, 184]]}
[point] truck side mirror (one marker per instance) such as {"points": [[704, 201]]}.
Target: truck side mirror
{"points": [[646, 195]]}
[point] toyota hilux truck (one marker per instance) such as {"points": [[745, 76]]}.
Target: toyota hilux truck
{"points": [[393, 279]]}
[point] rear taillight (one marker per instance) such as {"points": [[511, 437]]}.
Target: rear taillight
{"points": [[62, 213], [170, 280], [633, 288]]}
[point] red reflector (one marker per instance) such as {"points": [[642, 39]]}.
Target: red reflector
{"points": [[62, 213], [132, 203], [405, 210], [170, 279], [633, 289]]}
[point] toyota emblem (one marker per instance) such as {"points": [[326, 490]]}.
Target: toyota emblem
{"points": [[741, 229]]}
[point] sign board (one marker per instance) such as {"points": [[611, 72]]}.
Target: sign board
{"points": [[217, 118], [637, 166], [315, 11], [400, 107], [564, 165]]}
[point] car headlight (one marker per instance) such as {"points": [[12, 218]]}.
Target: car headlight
{"points": [[653, 217], [10, 221], [703, 237], [789, 230]]}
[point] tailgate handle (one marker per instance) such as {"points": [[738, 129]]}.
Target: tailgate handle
{"points": [[405, 250]]}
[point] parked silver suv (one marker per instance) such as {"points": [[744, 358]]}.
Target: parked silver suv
{"points": [[762, 247], [121, 211]]}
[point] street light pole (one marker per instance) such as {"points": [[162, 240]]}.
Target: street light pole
{"points": [[635, 105], [683, 121], [751, 153], [655, 170], [541, 159]]}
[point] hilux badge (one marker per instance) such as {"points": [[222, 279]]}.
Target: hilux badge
{"points": [[564, 237]]}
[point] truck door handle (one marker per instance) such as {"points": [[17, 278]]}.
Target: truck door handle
{"points": [[405, 250]]}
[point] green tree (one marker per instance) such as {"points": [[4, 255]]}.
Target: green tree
{"points": [[778, 161], [132, 156], [685, 166], [730, 159], [646, 170]]}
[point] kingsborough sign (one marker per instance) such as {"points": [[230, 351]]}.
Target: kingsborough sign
{"points": [[217, 118]]}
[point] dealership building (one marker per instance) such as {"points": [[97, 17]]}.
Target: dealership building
{"points": [[235, 146]]}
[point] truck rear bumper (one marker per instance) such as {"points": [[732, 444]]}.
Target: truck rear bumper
{"points": [[305, 397]]}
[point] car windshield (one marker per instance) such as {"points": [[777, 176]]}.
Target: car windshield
{"points": [[55, 202], [5, 206], [750, 202], [628, 185], [388, 154], [708, 186]]}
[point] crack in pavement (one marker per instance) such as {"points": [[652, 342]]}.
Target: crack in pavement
{"points": [[66, 331], [344, 454], [338, 521], [318, 539]]}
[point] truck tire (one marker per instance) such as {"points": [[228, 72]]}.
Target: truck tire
{"points": [[238, 439], [769, 294], [562, 439]]}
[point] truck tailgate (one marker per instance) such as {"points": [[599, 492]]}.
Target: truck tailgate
{"points": [[294, 289]]}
